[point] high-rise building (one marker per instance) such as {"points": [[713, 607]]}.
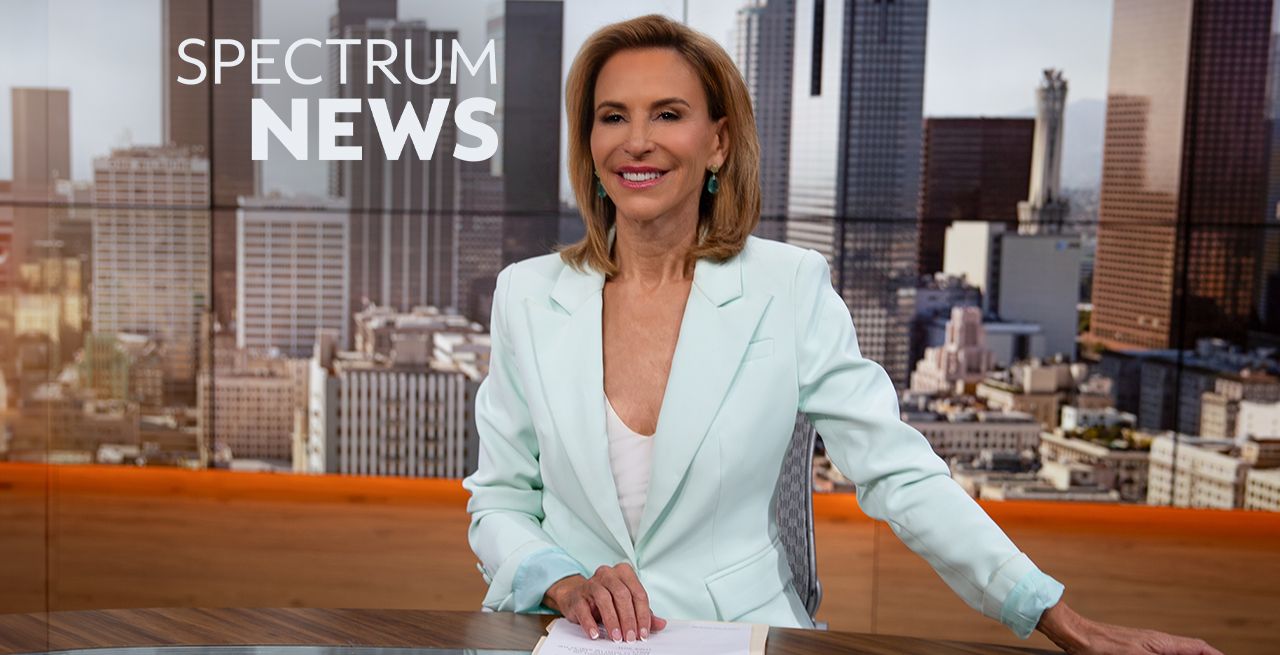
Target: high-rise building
{"points": [[1184, 172], [854, 181], [1031, 278], [392, 406], [1269, 273], [479, 240], [764, 41], [1045, 208], [527, 36], [349, 13], [974, 169], [151, 253], [212, 119], [41, 141], [404, 222], [292, 275]]}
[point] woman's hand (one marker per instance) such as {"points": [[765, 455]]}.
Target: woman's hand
{"points": [[613, 596], [1077, 635]]}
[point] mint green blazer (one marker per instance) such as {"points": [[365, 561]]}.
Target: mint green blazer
{"points": [[764, 334]]}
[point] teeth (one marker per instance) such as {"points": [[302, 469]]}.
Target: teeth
{"points": [[641, 177]]}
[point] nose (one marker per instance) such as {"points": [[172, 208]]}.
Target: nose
{"points": [[638, 142]]}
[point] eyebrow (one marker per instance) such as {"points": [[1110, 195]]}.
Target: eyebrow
{"points": [[657, 103]]}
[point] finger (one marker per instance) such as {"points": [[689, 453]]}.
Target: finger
{"points": [[624, 604], [608, 613], [658, 623], [1201, 647], [639, 599], [583, 617]]}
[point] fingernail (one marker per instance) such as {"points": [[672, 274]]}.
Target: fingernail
{"points": [[594, 634], [631, 635], [644, 634], [617, 636]]}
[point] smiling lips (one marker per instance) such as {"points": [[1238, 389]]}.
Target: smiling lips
{"points": [[640, 177]]}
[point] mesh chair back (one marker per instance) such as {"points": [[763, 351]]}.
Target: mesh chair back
{"points": [[794, 506]]}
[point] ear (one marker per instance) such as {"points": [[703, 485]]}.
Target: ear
{"points": [[720, 143]]}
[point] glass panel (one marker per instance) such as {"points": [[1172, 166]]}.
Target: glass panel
{"points": [[41, 297], [180, 320]]}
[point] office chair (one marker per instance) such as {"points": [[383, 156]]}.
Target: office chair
{"points": [[795, 515]]}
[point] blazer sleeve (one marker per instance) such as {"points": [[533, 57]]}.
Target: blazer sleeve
{"points": [[518, 559], [899, 479]]}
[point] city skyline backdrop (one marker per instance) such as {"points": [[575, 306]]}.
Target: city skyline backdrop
{"points": [[275, 328], [49, 46]]}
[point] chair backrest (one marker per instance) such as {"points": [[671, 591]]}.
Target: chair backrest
{"points": [[794, 506]]}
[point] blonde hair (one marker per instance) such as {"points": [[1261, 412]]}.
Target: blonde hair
{"points": [[725, 219]]}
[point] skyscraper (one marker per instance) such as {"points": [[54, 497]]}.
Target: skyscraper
{"points": [[212, 119], [974, 169], [1045, 208], [764, 51], [151, 254], [1184, 172], [292, 277], [479, 240], [527, 37], [853, 187], [403, 233], [350, 13], [41, 141], [1269, 275]]}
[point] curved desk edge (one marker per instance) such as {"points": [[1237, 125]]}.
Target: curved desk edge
{"points": [[57, 631]]}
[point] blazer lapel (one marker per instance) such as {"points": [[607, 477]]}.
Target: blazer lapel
{"points": [[568, 351], [717, 327]]}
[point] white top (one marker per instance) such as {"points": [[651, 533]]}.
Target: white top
{"points": [[631, 458]]}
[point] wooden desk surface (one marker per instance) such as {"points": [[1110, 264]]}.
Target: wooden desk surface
{"points": [[25, 633]]}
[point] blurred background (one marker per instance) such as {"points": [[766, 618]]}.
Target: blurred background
{"points": [[228, 382]]}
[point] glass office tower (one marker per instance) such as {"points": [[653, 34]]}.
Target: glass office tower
{"points": [[974, 169], [1184, 172], [764, 51], [857, 97]]}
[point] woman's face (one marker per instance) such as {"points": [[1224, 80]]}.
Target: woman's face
{"points": [[652, 138]]}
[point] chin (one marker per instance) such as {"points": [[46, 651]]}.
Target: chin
{"points": [[643, 211]]}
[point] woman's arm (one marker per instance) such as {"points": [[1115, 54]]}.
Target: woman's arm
{"points": [[518, 559], [899, 479]]}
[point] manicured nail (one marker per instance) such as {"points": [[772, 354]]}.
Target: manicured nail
{"points": [[644, 634], [594, 634], [631, 635], [617, 636]]}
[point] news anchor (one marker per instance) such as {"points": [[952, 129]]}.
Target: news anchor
{"points": [[644, 384]]}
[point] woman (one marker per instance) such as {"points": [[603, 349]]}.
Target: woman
{"points": [[644, 383]]}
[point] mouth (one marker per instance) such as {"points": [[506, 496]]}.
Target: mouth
{"points": [[640, 177]]}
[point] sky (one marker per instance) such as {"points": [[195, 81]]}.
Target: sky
{"points": [[984, 57]]}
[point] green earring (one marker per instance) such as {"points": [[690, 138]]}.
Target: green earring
{"points": [[713, 185], [600, 192]]}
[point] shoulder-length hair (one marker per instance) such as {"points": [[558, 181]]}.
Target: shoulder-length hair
{"points": [[725, 219]]}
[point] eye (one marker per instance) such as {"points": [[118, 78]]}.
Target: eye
{"points": [[668, 115], [611, 118]]}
